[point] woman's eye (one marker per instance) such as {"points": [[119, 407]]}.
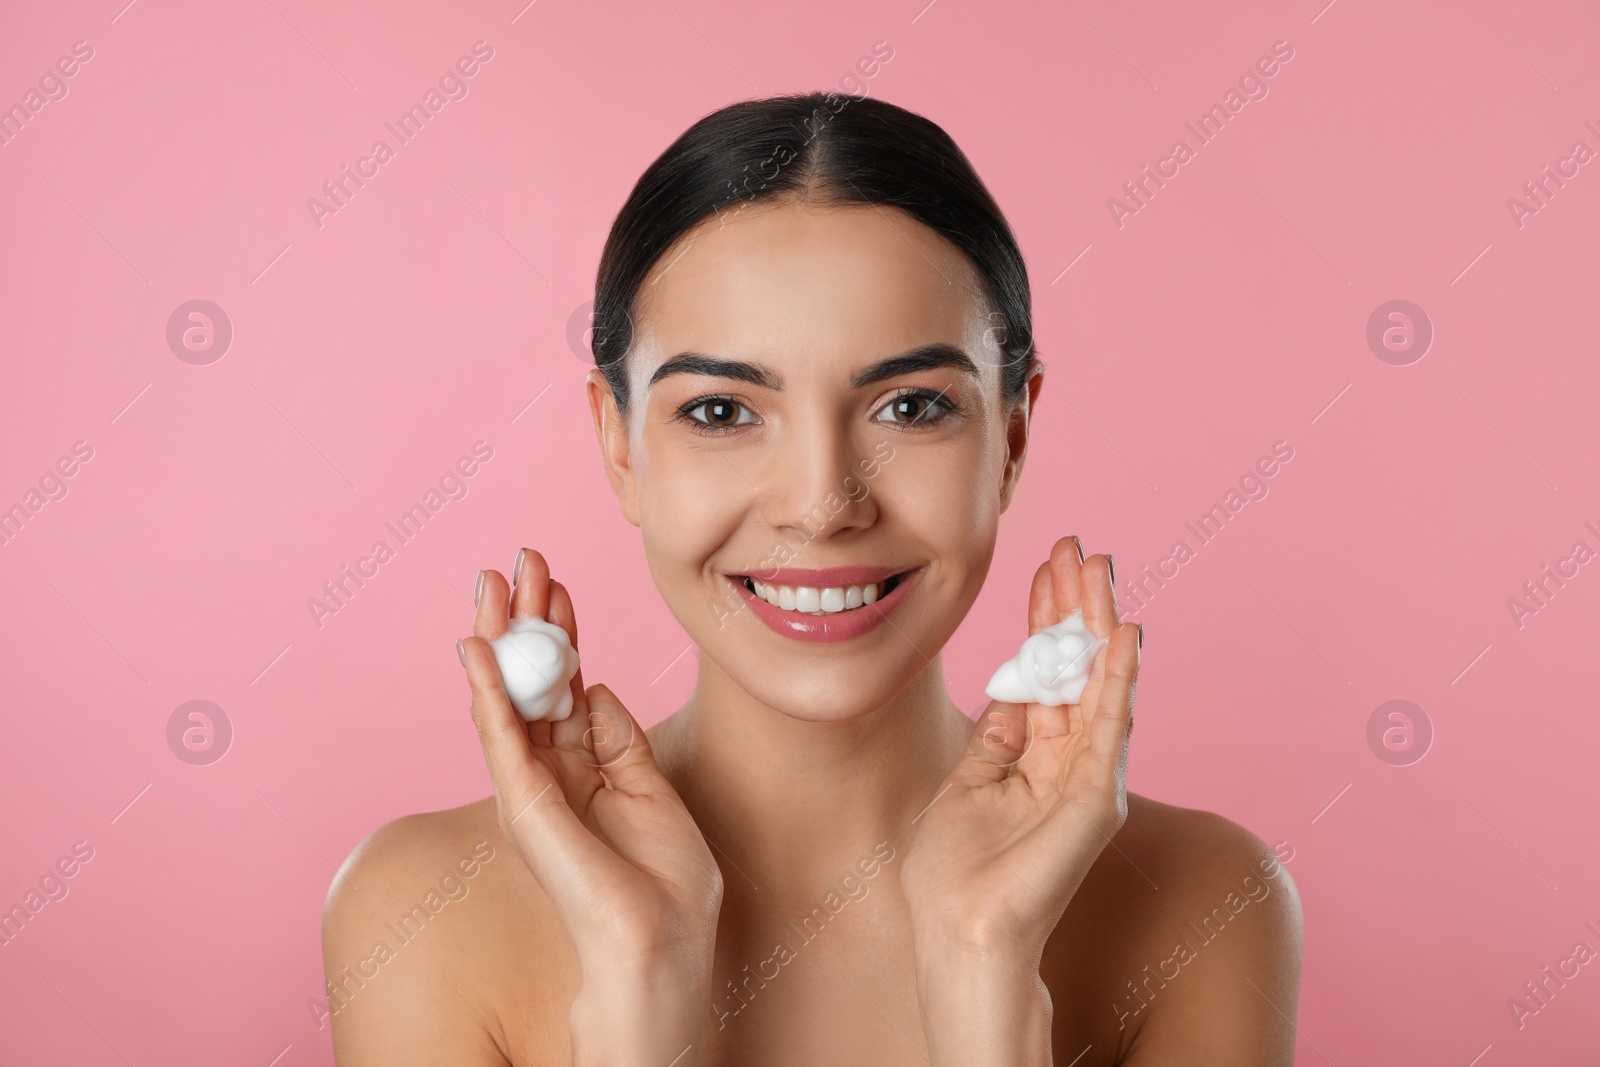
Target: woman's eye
{"points": [[719, 411], [921, 406]]}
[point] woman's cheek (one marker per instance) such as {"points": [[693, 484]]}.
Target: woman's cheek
{"points": [[940, 491], [945, 499], [688, 508]]}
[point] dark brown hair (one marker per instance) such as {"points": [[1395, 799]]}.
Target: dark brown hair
{"points": [[824, 148]]}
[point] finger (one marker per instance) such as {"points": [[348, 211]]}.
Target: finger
{"points": [[1111, 717], [568, 734], [1066, 566], [1100, 617], [530, 585], [1041, 601], [999, 738], [562, 612], [491, 595], [1093, 794], [1099, 602], [621, 748], [534, 805]]}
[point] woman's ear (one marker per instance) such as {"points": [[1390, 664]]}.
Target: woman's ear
{"points": [[1017, 425], [612, 432]]}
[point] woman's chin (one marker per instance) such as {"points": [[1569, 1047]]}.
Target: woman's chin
{"points": [[833, 693]]}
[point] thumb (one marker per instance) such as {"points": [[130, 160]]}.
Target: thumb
{"points": [[999, 739], [615, 745]]}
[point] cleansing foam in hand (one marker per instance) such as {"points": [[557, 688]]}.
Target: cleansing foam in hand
{"points": [[537, 662], [1051, 668]]}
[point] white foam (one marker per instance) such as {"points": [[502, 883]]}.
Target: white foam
{"points": [[1051, 668], [537, 662]]}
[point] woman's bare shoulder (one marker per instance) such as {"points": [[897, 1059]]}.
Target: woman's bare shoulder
{"points": [[438, 943], [1180, 892], [412, 839], [1191, 845]]}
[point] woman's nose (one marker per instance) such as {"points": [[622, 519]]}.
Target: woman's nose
{"points": [[814, 487]]}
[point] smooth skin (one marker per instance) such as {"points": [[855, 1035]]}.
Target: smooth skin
{"points": [[819, 858]]}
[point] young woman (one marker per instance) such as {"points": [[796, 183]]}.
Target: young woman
{"points": [[815, 385]]}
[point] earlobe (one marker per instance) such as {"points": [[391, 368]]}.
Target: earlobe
{"points": [[611, 431]]}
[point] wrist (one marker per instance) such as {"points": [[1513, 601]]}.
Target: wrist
{"points": [[982, 1005], [984, 945], [650, 1014]]}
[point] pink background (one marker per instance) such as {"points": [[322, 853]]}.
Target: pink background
{"points": [[1227, 315]]}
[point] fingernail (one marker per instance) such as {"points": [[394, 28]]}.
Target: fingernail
{"points": [[516, 568], [461, 651], [1080, 547], [1141, 635], [1111, 565], [477, 591]]}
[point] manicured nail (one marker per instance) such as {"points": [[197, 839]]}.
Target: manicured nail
{"points": [[1111, 566], [516, 568], [1141, 635], [477, 591], [1080, 547], [461, 651]]}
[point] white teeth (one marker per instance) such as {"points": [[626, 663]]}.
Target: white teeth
{"points": [[815, 601]]}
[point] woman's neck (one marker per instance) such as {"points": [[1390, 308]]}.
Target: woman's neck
{"points": [[784, 799]]}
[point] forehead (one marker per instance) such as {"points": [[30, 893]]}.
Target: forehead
{"points": [[795, 282]]}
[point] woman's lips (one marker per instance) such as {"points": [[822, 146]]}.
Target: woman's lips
{"points": [[834, 626]]}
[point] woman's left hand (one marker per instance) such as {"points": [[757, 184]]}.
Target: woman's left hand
{"points": [[1039, 793]]}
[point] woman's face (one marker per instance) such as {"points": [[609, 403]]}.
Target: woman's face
{"points": [[815, 404]]}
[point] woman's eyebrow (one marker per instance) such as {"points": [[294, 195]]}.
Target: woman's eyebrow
{"points": [[716, 367], [926, 357]]}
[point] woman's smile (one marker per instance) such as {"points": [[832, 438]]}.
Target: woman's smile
{"points": [[828, 604]]}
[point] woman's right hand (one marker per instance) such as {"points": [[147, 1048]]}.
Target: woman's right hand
{"points": [[606, 836]]}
